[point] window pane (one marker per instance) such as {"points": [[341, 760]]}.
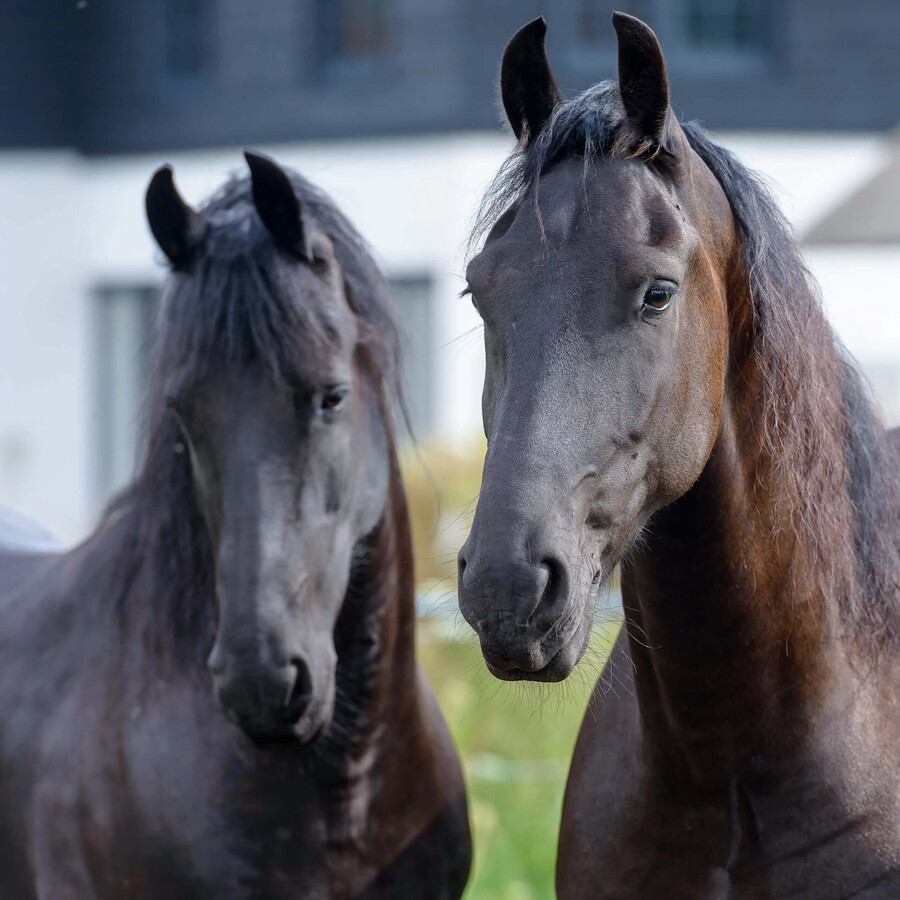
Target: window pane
{"points": [[357, 29], [885, 380], [125, 323], [594, 19], [187, 24], [726, 24], [414, 301]]}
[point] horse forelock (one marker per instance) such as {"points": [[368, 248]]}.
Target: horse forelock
{"points": [[589, 125], [239, 300]]}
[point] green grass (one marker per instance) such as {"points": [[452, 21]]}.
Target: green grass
{"points": [[515, 741]]}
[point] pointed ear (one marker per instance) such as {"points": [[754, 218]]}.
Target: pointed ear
{"points": [[277, 205], [526, 83], [643, 81], [178, 229]]}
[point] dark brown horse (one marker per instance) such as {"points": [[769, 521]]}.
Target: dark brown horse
{"points": [[662, 390], [216, 695]]}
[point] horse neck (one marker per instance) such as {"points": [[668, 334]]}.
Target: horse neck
{"points": [[375, 638], [734, 605]]}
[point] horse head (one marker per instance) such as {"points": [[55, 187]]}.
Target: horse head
{"points": [[283, 422], [602, 287]]}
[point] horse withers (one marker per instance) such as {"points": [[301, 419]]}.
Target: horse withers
{"points": [[216, 695], [663, 391]]}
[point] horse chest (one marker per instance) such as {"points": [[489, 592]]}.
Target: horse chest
{"points": [[829, 831], [193, 821], [643, 849], [202, 812]]}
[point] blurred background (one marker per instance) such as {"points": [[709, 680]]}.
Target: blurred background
{"points": [[390, 106]]}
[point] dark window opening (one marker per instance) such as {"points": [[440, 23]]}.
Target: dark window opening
{"points": [[355, 34], [723, 25], [188, 38], [686, 28]]}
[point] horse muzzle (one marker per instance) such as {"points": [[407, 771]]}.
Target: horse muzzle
{"points": [[274, 702], [530, 621]]}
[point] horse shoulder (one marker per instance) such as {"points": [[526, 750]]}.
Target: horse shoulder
{"points": [[622, 834], [62, 802]]}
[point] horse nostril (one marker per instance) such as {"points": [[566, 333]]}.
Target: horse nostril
{"points": [[299, 692], [554, 577], [553, 595]]}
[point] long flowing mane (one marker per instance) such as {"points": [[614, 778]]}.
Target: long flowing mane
{"points": [[825, 447], [238, 303]]}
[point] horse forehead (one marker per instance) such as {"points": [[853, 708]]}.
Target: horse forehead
{"points": [[624, 205], [240, 394], [600, 215]]}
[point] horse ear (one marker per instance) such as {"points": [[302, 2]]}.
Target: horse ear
{"points": [[526, 83], [278, 205], [178, 229], [643, 81]]}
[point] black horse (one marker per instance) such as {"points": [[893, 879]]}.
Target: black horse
{"points": [[663, 391], [216, 695]]}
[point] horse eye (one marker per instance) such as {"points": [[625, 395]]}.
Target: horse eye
{"points": [[333, 399], [657, 299]]}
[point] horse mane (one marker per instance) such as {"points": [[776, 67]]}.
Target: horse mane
{"points": [[206, 320], [824, 444], [238, 303]]}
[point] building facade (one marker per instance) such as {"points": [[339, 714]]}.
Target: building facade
{"points": [[113, 77]]}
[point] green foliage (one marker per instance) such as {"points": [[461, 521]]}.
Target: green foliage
{"points": [[516, 741], [442, 484]]}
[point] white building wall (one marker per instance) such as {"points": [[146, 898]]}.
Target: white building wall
{"points": [[69, 224], [862, 299], [45, 408]]}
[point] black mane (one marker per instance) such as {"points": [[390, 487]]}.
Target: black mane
{"points": [[825, 443], [821, 426], [238, 302], [207, 321], [586, 126]]}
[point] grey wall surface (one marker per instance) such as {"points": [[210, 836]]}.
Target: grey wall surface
{"points": [[96, 74]]}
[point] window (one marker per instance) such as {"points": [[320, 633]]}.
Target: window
{"points": [[414, 302], [592, 24], [726, 25], [724, 30], [356, 34], [188, 38], [125, 317]]}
